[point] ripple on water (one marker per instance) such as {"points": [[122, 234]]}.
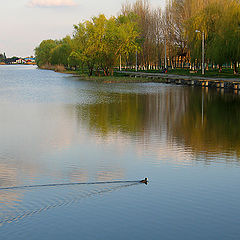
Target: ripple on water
{"points": [[43, 198], [55, 128]]}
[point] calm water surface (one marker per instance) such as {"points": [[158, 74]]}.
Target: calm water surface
{"points": [[57, 128]]}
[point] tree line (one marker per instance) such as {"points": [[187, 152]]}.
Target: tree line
{"points": [[151, 38], [96, 44]]}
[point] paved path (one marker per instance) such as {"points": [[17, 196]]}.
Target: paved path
{"points": [[173, 76]]}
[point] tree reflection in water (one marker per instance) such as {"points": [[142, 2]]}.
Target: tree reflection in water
{"points": [[174, 113]]}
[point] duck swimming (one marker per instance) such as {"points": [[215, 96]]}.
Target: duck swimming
{"points": [[144, 181]]}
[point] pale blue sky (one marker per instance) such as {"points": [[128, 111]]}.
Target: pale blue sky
{"points": [[25, 23]]}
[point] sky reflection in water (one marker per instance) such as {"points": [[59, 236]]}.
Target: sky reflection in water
{"points": [[56, 128]]}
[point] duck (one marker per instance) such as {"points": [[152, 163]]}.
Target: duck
{"points": [[144, 181]]}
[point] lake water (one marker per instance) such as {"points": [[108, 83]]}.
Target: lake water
{"points": [[56, 128]]}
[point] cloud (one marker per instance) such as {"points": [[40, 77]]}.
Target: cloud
{"points": [[51, 3]]}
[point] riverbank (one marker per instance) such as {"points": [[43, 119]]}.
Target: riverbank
{"points": [[143, 77], [118, 77], [177, 76], [156, 76], [210, 73]]}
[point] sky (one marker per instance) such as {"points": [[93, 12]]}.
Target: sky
{"points": [[25, 23]]}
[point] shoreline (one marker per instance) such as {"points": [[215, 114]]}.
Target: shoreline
{"points": [[144, 77], [177, 76], [119, 78]]}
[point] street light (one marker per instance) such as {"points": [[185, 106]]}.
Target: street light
{"points": [[136, 68], [165, 55], [203, 50], [120, 63]]}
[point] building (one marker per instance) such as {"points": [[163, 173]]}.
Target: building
{"points": [[30, 60], [21, 61]]}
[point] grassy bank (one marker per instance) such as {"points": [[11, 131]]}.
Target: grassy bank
{"points": [[117, 77], [124, 77]]}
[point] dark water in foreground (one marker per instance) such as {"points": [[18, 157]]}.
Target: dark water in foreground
{"points": [[57, 129]]}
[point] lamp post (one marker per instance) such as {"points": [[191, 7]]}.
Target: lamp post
{"points": [[120, 63], [165, 55], [136, 61], [203, 49], [202, 105]]}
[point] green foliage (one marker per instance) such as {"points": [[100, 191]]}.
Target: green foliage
{"points": [[228, 35], [43, 52], [96, 44], [220, 21], [2, 57], [99, 42]]}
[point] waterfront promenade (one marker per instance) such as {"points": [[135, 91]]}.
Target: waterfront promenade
{"points": [[233, 83]]}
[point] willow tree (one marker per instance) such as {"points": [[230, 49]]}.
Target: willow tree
{"points": [[127, 36], [228, 35], [84, 51], [220, 21], [43, 52], [99, 42], [60, 54], [203, 20]]}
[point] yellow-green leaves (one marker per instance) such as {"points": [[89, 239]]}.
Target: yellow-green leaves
{"points": [[100, 41], [43, 52], [219, 19]]}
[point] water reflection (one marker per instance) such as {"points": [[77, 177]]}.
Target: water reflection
{"points": [[219, 130], [174, 116], [135, 114], [58, 129]]}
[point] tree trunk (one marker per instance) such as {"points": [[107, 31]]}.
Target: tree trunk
{"points": [[220, 68], [90, 70], [235, 68]]}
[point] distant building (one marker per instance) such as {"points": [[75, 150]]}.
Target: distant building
{"points": [[21, 61], [30, 60], [16, 60]]}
